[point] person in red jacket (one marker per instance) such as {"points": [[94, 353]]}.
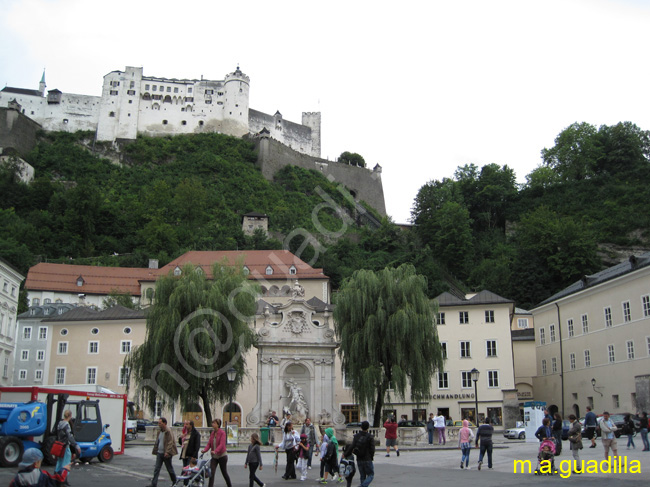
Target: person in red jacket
{"points": [[217, 446], [30, 473], [391, 435]]}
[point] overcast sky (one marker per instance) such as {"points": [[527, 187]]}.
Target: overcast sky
{"points": [[418, 87]]}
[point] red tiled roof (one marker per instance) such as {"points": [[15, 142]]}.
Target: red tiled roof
{"points": [[102, 280]]}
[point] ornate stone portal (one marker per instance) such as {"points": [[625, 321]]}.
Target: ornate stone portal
{"points": [[296, 361]]}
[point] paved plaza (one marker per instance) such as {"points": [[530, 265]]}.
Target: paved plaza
{"points": [[435, 466]]}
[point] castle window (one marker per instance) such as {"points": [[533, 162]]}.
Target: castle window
{"points": [[65, 120], [114, 92], [132, 84], [168, 99], [146, 87], [162, 88], [112, 114], [189, 98], [209, 92], [220, 93], [189, 89], [157, 97], [154, 88], [208, 102], [130, 101], [219, 103], [146, 96], [184, 122], [175, 90], [115, 83], [164, 122], [130, 92], [200, 123]]}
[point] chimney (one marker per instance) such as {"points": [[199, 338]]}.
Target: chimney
{"points": [[153, 263]]}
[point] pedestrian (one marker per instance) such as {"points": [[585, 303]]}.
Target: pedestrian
{"points": [[286, 419], [629, 430], [484, 436], [290, 440], [254, 460], [190, 441], [30, 473], [575, 441], [164, 448], [219, 455], [440, 428], [391, 435], [644, 431], [465, 437], [363, 446], [556, 431], [323, 451], [272, 422], [64, 435], [309, 430], [544, 432], [347, 468], [590, 426], [331, 457], [303, 454], [607, 428], [431, 427]]}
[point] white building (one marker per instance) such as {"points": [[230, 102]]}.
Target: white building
{"points": [[132, 104], [10, 280], [593, 342]]}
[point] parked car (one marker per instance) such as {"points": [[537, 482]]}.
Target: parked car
{"points": [[412, 424], [515, 433], [353, 425], [459, 424], [143, 423]]}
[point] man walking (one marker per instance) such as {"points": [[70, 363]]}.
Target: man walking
{"points": [[309, 430], [484, 435], [607, 428], [164, 448], [590, 426], [363, 446]]}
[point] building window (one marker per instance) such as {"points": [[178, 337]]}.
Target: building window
{"points": [[443, 346], [463, 317], [554, 365], [146, 87], [293, 270], [27, 333], [630, 349], [22, 375], [646, 305], [569, 325], [585, 324], [183, 122], [36, 301], [544, 366], [200, 123], [93, 347], [42, 333], [465, 349], [551, 330], [489, 316], [627, 316], [91, 375], [59, 375], [127, 330], [491, 348], [125, 346], [157, 412], [38, 375], [587, 358], [63, 332], [443, 380], [94, 331], [24, 355], [80, 281], [542, 336], [269, 270], [440, 320], [608, 317], [611, 356], [572, 361], [40, 355], [124, 376], [616, 403], [522, 323], [493, 378], [351, 412], [647, 340], [177, 271], [130, 92], [5, 368], [189, 89], [63, 348], [466, 379], [13, 290]]}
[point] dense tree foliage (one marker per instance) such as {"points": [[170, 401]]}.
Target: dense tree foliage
{"points": [[352, 158], [386, 318]]}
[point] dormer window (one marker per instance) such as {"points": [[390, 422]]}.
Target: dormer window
{"points": [[36, 302], [47, 301], [80, 281], [293, 270], [246, 271], [198, 270], [177, 271], [269, 270]]}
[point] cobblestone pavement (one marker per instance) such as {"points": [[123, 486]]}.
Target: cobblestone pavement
{"points": [[429, 466]]}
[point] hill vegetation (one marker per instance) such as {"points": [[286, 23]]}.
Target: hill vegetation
{"points": [[181, 193]]}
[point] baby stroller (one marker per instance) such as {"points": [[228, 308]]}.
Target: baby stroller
{"points": [[546, 457], [195, 478]]}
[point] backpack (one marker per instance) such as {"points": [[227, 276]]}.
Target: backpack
{"points": [[361, 445], [346, 468]]}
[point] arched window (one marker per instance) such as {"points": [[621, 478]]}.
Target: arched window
{"points": [[293, 270]]}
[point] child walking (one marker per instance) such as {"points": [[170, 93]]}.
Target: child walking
{"points": [[323, 452], [254, 460], [303, 456], [347, 467], [465, 437]]}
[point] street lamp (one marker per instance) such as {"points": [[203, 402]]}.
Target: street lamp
{"points": [[475, 373], [593, 384], [232, 375]]}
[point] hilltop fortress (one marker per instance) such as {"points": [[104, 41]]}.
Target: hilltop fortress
{"points": [[132, 104]]}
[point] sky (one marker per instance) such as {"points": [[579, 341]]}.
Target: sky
{"points": [[419, 87]]}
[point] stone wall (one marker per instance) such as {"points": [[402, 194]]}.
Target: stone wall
{"points": [[17, 131], [364, 184]]}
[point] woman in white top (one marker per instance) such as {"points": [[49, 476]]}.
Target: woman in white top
{"points": [[290, 440], [440, 427]]}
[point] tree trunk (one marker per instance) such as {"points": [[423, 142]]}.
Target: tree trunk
{"points": [[378, 407], [206, 406]]}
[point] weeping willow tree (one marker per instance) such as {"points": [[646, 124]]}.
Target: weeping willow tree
{"points": [[197, 329], [388, 337]]}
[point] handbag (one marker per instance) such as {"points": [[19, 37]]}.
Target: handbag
{"points": [[58, 449]]}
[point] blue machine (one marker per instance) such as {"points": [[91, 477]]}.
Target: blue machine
{"points": [[20, 423]]}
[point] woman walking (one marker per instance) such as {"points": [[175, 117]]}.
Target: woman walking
{"points": [[557, 433], [254, 460], [217, 448], [465, 437], [64, 434], [290, 440], [575, 441], [644, 431], [629, 430], [190, 441]]}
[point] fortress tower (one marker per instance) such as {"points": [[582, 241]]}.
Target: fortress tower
{"points": [[312, 120], [235, 105]]}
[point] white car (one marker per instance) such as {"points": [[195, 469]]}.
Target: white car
{"points": [[515, 433]]}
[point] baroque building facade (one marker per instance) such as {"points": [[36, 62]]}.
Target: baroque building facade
{"points": [[10, 280]]}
